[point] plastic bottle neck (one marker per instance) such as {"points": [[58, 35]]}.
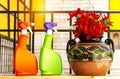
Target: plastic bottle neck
{"points": [[48, 41], [49, 32], [22, 42], [24, 31]]}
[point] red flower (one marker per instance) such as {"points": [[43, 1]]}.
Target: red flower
{"points": [[76, 12], [89, 24]]}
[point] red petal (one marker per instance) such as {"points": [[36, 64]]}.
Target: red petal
{"points": [[88, 37]]}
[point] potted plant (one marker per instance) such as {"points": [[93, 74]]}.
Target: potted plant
{"points": [[90, 56]]}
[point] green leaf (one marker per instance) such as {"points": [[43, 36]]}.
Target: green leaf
{"points": [[77, 55], [106, 56], [76, 51], [92, 55], [99, 51], [93, 48], [80, 57], [106, 22], [82, 49]]}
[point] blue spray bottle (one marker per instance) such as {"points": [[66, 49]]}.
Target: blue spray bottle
{"points": [[50, 62]]}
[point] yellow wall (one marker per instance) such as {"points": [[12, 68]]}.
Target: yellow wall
{"points": [[114, 5], [3, 23], [3, 17], [4, 3], [38, 5], [13, 5]]}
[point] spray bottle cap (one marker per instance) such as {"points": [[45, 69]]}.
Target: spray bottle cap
{"points": [[25, 26], [50, 26]]}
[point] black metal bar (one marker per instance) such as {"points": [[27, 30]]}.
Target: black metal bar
{"points": [[14, 44], [8, 18], [52, 17], [110, 11], [114, 30], [33, 37], [52, 21], [34, 11], [108, 34], [70, 37], [17, 17], [30, 15], [40, 30], [11, 30], [3, 7]]}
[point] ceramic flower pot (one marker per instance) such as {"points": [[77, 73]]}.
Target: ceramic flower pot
{"points": [[90, 58]]}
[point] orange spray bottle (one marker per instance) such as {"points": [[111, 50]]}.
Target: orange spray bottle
{"points": [[25, 63]]}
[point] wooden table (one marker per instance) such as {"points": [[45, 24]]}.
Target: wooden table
{"points": [[58, 77]]}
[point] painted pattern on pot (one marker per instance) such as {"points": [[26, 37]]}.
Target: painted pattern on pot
{"points": [[90, 52]]}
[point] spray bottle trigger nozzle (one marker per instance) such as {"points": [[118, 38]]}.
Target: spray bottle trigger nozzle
{"points": [[55, 29], [29, 28]]}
